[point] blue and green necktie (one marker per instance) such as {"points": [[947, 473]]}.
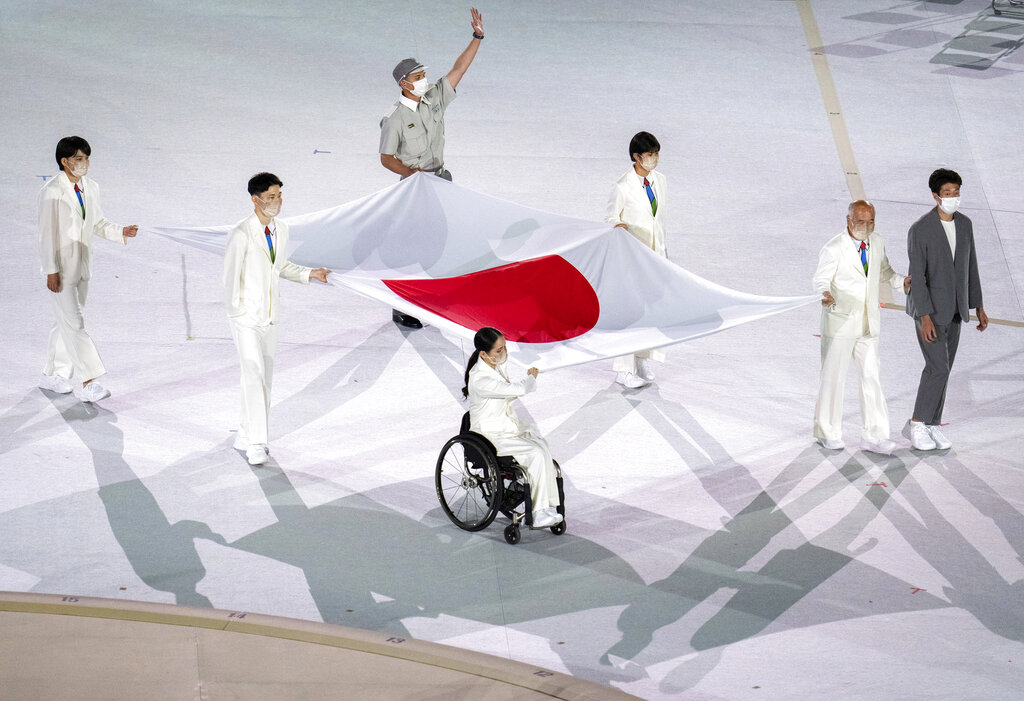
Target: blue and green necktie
{"points": [[650, 196], [80, 200], [270, 243]]}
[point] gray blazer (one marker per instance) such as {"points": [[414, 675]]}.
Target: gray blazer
{"points": [[942, 286]]}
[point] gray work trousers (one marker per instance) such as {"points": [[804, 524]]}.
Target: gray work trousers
{"points": [[938, 360]]}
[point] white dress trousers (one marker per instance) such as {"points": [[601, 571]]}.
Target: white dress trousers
{"points": [[70, 350], [492, 415], [256, 348], [65, 247], [836, 353]]}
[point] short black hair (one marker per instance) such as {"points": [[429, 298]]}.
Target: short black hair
{"points": [[942, 176], [643, 142], [261, 182], [69, 146]]}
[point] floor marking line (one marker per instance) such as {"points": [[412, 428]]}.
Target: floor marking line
{"points": [[831, 99], [974, 317]]}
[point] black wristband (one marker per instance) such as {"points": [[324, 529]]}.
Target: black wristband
{"points": [[478, 36]]}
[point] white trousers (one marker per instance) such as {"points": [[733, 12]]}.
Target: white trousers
{"points": [[628, 363], [835, 361], [256, 347], [533, 454], [70, 350]]}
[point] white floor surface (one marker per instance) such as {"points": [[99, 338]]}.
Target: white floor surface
{"points": [[713, 551]]}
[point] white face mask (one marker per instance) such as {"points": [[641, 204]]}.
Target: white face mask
{"points": [[649, 163], [497, 360], [419, 88], [80, 168], [950, 204], [272, 209]]}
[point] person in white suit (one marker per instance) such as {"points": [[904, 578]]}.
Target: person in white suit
{"points": [[491, 414], [255, 259], [69, 217], [850, 268], [636, 204]]}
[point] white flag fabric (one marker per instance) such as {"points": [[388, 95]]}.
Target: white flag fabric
{"points": [[563, 291]]}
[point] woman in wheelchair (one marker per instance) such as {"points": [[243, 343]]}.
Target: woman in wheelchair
{"points": [[491, 393]]}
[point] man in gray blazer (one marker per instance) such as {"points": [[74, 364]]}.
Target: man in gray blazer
{"points": [[946, 286]]}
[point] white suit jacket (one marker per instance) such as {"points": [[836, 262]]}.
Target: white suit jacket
{"points": [[490, 401], [629, 205], [855, 312], [65, 239], [250, 279]]}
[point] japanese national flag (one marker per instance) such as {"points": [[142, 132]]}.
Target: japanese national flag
{"points": [[563, 291]]}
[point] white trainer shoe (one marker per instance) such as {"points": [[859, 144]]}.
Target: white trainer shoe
{"points": [[630, 380], [92, 392], [882, 447], [917, 433], [242, 443], [544, 518], [256, 454], [941, 442], [831, 443], [644, 369], [55, 383]]}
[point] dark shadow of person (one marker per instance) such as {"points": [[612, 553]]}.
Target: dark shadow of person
{"points": [[163, 554], [763, 594], [369, 566], [976, 585]]}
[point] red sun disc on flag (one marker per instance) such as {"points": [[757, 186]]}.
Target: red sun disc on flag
{"points": [[540, 300]]}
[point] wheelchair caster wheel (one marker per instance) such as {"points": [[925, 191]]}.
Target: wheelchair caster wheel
{"points": [[511, 534], [559, 528]]}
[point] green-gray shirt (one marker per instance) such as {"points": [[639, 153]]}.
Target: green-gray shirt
{"points": [[416, 138]]}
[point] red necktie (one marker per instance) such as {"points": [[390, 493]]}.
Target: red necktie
{"points": [[864, 256]]}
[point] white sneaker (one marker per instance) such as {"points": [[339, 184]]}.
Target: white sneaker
{"points": [[55, 383], [543, 518], [917, 433], [882, 447], [242, 443], [92, 392], [941, 442], [630, 380], [831, 443], [256, 454], [644, 369]]}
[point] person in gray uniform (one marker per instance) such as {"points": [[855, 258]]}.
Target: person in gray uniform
{"points": [[412, 136], [944, 266]]}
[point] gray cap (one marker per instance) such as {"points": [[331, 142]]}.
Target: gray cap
{"points": [[405, 67]]}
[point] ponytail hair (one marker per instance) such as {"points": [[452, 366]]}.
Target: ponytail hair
{"points": [[484, 340]]}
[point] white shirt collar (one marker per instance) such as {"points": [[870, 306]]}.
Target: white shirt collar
{"points": [[856, 243], [487, 369], [263, 227], [66, 181], [412, 104]]}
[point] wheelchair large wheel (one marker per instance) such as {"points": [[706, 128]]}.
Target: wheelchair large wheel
{"points": [[468, 483]]}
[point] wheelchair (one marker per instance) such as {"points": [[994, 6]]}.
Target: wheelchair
{"points": [[474, 484]]}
